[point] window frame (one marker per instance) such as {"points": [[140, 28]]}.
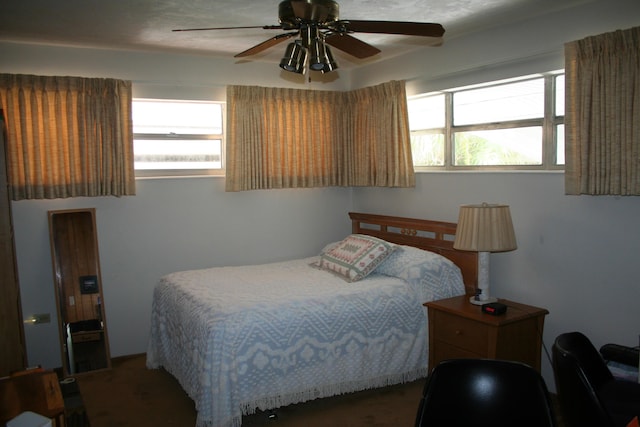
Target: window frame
{"points": [[160, 173], [549, 123]]}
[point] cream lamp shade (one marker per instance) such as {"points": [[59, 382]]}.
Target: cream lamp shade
{"points": [[484, 228]]}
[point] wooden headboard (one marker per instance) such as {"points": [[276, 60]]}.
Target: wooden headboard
{"points": [[435, 236]]}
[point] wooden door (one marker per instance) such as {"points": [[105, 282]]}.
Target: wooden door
{"points": [[13, 356]]}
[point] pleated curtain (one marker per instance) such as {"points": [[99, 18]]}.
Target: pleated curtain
{"points": [[293, 138], [602, 114], [67, 136]]}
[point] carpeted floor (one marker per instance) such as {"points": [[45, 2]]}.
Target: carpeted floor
{"points": [[131, 395]]}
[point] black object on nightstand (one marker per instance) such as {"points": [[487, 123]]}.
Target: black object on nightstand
{"points": [[494, 308]]}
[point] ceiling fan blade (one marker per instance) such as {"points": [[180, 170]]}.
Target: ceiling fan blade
{"points": [[352, 45], [423, 29], [264, 27], [266, 44]]}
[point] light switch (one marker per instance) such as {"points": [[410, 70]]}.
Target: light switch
{"points": [[72, 300]]}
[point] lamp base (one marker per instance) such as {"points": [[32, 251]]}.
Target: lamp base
{"points": [[475, 301]]}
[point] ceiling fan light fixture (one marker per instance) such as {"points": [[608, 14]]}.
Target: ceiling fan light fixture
{"points": [[294, 58], [321, 58], [318, 25], [330, 63], [317, 58]]}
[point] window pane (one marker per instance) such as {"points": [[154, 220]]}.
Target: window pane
{"points": [[560, 95], [179, 117], [512, 101], [185, 135], [177, 154], [518, 146], [560, 145], [427, 149], [426, 112]]}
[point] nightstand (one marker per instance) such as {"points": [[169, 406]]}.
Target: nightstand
{"points": [[459, 329]]}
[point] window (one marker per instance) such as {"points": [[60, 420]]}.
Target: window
{"points": [[173, 137], [427, 124], [516, 124]]}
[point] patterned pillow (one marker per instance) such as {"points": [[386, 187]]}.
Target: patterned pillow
{"points": [[355, 257]]}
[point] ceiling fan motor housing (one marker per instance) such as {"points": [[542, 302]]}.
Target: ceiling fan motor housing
{"points": [[291, 13]]}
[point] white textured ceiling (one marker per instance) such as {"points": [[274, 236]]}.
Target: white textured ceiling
{"points": [[147, 24]]}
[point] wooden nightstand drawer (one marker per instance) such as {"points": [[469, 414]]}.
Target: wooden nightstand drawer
{"points": [[462, 333], [443, 351], [459, 329]]}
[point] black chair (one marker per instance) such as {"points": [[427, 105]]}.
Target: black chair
{"points": [[589, 395], [485, 393]]}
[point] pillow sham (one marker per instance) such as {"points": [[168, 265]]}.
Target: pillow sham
{"points": [[355, 257], [432, 275]]}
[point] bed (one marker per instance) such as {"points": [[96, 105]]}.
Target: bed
{"points": [[241, 339]]}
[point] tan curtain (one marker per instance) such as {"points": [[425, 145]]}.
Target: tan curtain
{"points": [[602, 114], [282, 138], [292, 138], [380, 141], [68, 136]]}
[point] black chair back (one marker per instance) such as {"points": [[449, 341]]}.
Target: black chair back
{"points": [[580, 372], [482, 392]]}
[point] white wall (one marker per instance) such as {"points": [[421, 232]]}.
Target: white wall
{"points": [[514, 49], [162, 75], [170, 225], [576, 254]]}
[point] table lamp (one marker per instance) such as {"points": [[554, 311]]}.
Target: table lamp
{"points": [[484, 228]]}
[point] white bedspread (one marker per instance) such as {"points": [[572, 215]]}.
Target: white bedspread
{"points": [[259, 337]]}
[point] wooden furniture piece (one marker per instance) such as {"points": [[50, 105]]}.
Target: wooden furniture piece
{"points": [[35, 390], [459, 329], [434, 236], [76, 270], [13, 356]]}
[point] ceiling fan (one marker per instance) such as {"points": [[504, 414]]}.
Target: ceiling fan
{"points": [[317, 24]]}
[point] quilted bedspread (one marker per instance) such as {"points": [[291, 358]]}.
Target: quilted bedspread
{"points": [[264, 336]]}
